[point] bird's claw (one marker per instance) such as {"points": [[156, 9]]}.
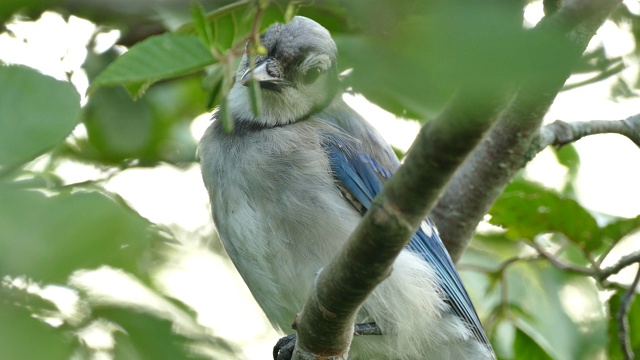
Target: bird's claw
{"points": [[283, 350]]}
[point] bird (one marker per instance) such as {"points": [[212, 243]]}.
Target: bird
{"points": [[288, 185]]}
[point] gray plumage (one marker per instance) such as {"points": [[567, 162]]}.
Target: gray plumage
{"points": [[282, 214]]}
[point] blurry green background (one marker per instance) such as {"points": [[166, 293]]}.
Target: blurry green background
{"points": [[107, 250]]}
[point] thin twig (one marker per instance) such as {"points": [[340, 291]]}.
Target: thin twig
{"points": [[601, 76], [624, 261], [561, 265], [623, 320]]}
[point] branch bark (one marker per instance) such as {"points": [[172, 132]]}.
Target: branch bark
{"points": [[325, 325], [561, 133], [484, 175], [623, 320]]}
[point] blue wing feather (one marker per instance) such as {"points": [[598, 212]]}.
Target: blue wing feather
{"points": [[363, 177]]}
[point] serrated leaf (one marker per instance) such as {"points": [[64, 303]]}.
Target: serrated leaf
{"points": [[37, 113], [156, 58], [49, 237], [526, 212]]}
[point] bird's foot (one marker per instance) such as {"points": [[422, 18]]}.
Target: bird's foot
{"points": [[283, 350]]}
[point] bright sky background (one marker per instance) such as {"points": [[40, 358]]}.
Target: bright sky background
{"points": [[608, 181]]}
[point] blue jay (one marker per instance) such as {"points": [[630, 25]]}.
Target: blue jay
{"points": [[288, 186]]}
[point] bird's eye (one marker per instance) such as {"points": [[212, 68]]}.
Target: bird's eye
{"points": [[312, 75]]}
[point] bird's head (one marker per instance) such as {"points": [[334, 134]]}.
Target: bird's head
{"points": [[297, 75]]}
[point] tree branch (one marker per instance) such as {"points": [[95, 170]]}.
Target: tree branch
{"points": [[624, 261], [623, 320], [561, 133], [325, 325], [483, 176]]}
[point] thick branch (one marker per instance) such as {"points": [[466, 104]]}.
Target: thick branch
{"points": [[325, 326], [481, 179], [561, 133]]}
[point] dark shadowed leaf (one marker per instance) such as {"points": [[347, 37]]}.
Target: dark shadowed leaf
{"points": [[118, 127], [526, 348], [47, 237], [614, 349], [37, 112]]}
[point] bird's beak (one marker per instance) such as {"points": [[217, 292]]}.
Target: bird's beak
{"points": [[259, 74]]}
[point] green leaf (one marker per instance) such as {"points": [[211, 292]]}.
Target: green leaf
{"points": [[232, 23], [24, 337], [156, 58], [614, 349], [225, 115], [525, 347], [568, 157], [119, 127], [47, 237], [256, 98], [230, 10], [146, 337], [526, 211], [213, 83], [200, 24], [616, 230], [37, 113]]}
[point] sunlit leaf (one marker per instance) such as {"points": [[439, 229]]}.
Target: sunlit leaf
{"points": [[147, 336], [526, 212], [37, 113], [24, 337], [158, 57], [414, 55]]}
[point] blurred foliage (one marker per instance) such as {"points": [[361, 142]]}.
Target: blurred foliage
{"points": [[180, 63]]}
